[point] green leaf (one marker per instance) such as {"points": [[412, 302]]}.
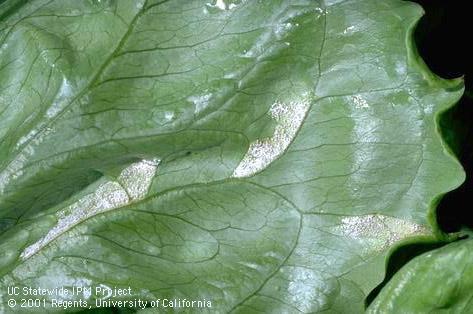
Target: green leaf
{"points": [[263, 155], [439, 281]]}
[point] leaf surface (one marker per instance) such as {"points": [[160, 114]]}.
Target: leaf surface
{"points": [[437, 281], [264, 155]]}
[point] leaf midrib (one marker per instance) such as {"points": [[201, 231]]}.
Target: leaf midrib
{"points": [[92, 82]]}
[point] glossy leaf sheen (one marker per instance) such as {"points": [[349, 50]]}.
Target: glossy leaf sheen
{"points": [[264, 155], [435, 282]]}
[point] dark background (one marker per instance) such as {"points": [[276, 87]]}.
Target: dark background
{"points": [[444, 38]]}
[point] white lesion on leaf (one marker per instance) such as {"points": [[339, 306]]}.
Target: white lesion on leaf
{"points": [[289, 117], [132, 184], [380, 230], [223, 5]]}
